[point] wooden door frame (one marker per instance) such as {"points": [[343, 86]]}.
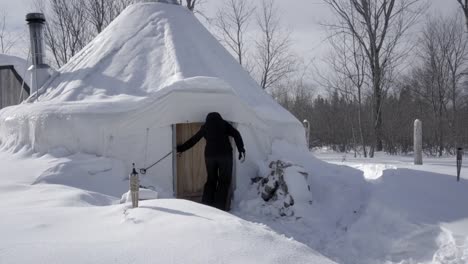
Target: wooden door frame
{"points": [[174, 160]]}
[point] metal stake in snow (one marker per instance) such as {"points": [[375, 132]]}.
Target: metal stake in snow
{"points": [[134, 186], [459, 162], [417, 142], [307, 131]]}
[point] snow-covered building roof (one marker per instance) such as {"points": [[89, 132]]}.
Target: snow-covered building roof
{"points": [[19, 64]]}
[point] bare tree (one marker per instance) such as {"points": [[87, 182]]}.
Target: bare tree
{"points": [[348, 63], [274, 58], [378, 27], [67, 30], [190, 4], [71, 24], [439, 79], [232, 21], [7, 40], [457, 62], [101, 12], [97, 13], [464, 6]]}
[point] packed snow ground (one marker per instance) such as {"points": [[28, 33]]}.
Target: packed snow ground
{"points": [[415, 213], [61, 207]]}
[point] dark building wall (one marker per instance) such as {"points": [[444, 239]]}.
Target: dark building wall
{"points": [[10, 87]]}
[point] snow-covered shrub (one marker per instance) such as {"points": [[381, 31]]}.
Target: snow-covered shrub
{"points": [[279, 187]]}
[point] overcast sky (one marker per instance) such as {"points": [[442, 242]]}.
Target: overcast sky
{"points": [[300, 16]]}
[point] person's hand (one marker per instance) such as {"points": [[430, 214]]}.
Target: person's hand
{"points": [[179, 153], [242, 156]]}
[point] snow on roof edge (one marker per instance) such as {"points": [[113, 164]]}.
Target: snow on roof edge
{"points": [[21, 66]]}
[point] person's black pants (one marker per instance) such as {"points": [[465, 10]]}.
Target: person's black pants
{"points": [[217, 187]]}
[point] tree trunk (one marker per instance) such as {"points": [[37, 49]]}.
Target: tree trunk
{"points": [[361, 134], [377, 105]]}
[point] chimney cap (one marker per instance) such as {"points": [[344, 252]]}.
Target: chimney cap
{"points": [[35, 18]]}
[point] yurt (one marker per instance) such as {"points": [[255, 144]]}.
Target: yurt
{"points": [[144, 85]]}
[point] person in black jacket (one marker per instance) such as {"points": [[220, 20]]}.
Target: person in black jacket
{"points": [[218, 158]]}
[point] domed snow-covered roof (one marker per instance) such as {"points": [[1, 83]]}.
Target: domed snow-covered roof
{"points": [[21, 66], [144, 52]]}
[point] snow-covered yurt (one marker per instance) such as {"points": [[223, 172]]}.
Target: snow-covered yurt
{"points": [[142, 86]]}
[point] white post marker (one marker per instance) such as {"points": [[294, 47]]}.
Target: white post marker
{"points": [[307, 132], [417, 148], [134, 187], [459, 162]]}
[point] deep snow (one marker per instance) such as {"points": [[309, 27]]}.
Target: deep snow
{"points": [[386, 211], [43, 222], [64, 161], [55, 206]]}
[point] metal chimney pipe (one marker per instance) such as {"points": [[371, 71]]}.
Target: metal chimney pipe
{"points": [[36, 24], [40, 71]]}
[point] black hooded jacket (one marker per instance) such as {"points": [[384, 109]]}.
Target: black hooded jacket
{"points": [[216, 132]]}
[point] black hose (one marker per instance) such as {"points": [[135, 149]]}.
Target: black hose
{"points": [[143, 170]]}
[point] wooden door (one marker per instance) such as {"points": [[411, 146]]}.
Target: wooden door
{"points": [[191, 170]]}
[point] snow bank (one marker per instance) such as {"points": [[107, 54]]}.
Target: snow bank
{"points": [[143, 194], [386, 212], [50, 223], [339, 197], [87, 172]]}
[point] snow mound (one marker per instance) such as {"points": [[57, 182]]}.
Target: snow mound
{"points": [[54, 223], [87, 172], [373, 171], [143, 194]]}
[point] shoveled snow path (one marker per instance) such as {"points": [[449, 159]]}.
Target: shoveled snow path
{"points": [[415, 214]]}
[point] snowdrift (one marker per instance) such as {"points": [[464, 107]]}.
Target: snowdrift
{"points": [[51, 223]]}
